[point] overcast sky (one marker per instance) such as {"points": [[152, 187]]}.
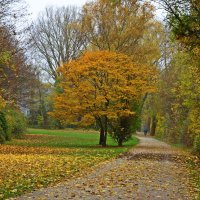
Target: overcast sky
{"points": [[35, 6]]}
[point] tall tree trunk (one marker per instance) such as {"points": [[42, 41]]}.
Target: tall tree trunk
{"points": [[120, 142], [106, 131], [149, 124], [101, 133], [101, 137], [153, 126]]}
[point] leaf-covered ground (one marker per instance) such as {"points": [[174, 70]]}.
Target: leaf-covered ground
{"points": [[41, 160], [153, 170]]}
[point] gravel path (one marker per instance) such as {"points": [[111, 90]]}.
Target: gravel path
{"points": [[152, 170]]}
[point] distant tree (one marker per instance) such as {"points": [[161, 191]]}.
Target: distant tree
{"points": [[40, 104], [125, 26], [56, 38]]}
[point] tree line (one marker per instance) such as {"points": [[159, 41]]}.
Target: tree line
{"points": [[172, 113]]}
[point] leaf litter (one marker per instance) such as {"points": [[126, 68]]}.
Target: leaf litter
{"points": [[153, 170]]}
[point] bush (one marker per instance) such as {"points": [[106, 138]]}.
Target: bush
{"points": [[12, 124], [126, 126], [3, 128], [122, 131], [16, 123]]}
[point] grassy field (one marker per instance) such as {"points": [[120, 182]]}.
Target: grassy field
{"points": [[46, 157], [64, 138]]}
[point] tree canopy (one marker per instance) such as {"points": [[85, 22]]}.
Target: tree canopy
{"points": [[99, 87]]}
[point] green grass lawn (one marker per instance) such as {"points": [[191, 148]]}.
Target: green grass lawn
{"points": [[45, 157], [67, 138]]}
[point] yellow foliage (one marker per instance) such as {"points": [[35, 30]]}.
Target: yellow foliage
{"points": [[179, 106], [2, 103], [100, 84]]}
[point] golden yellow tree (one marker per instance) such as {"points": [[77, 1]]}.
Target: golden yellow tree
{"points": [[124, 26], [98, 87]]}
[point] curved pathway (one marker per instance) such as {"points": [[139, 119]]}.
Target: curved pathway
{"points": [[152, 170]]}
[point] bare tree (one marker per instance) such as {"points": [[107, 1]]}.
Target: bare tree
{"points": [[13, 15], [56, 38]]}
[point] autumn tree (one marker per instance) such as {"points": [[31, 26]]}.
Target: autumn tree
{"points": [[17, 77], [126, 26], [100, 87]]}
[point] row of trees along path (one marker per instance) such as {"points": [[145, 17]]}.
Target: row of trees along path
{"points": [[153, 170]]}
